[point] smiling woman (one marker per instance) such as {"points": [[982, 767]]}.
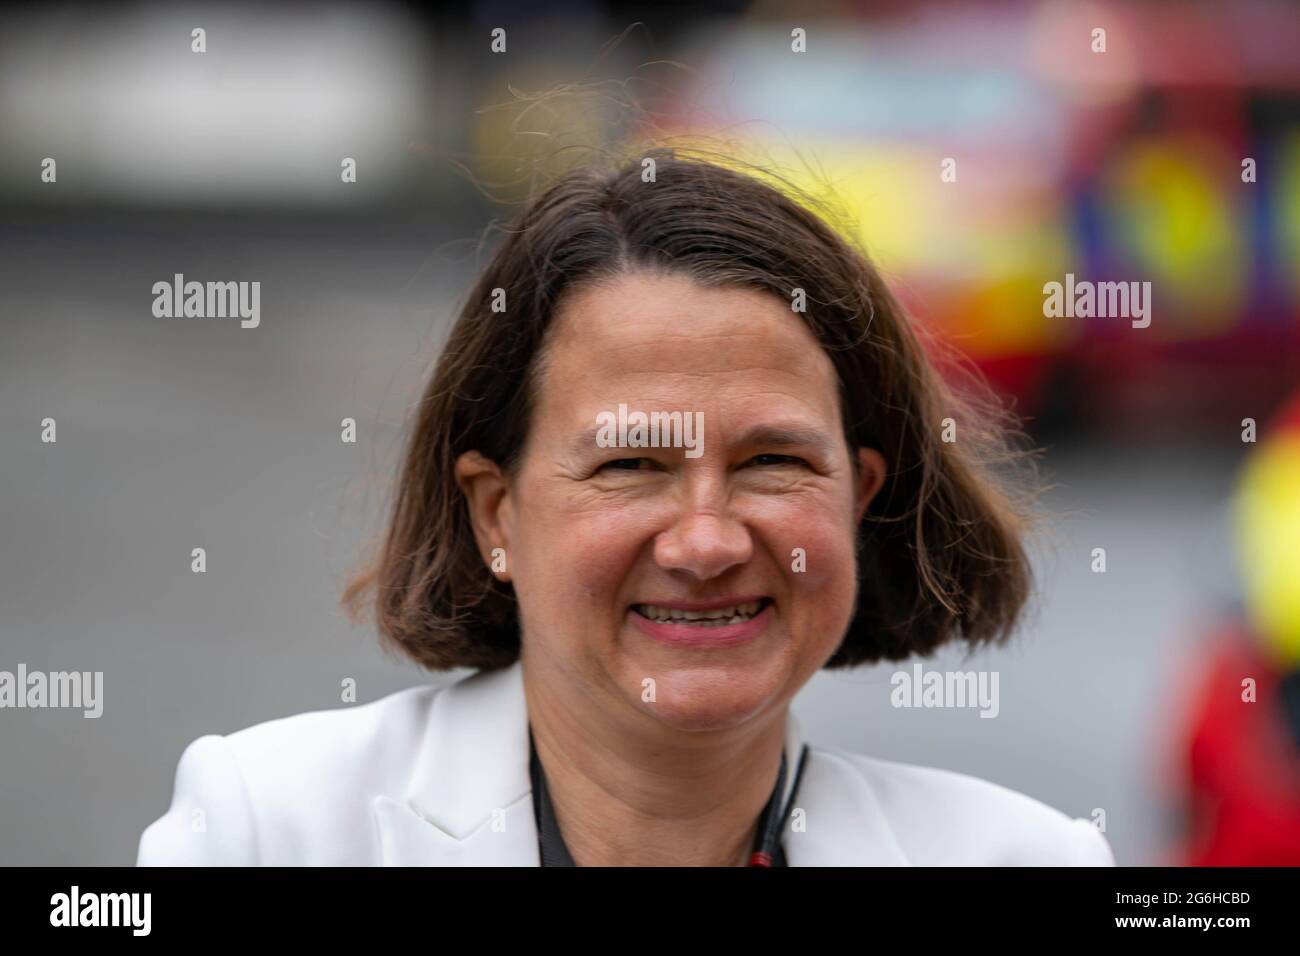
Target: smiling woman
{"points": [[656, 613]]}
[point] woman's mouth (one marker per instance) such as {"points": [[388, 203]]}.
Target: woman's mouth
{"points": [[718, 626], [732, 614]]}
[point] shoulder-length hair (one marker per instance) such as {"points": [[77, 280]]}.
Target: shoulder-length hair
{"points": [[940, 553]]}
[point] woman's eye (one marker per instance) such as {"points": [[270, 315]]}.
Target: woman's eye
{"points": [[623, 464], [776, 460], [645, 464]]}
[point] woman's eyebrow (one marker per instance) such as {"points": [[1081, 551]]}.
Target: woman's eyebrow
{"points": [[787, 436], [583, 443]]}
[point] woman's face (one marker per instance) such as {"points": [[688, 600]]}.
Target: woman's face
{"points": [[612, 550]]}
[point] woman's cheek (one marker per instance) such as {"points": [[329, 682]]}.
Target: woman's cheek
{"points": [[584, 558], [817, 554]]}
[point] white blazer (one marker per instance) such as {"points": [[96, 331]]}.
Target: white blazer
{"points": [[439, 777]]}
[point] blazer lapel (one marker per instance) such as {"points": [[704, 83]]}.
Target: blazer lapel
{"points": [[843, 822], [469, 798]]}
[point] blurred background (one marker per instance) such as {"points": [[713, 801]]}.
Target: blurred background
{"points": [[1124, 690]]}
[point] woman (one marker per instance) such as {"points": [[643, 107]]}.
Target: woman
{"points": [[681, 451]]}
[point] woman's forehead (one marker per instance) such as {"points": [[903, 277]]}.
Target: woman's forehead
{"points": [[738, 357], [664, 324]]}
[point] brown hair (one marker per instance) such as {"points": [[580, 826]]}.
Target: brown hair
{"points": [[940, 552]]}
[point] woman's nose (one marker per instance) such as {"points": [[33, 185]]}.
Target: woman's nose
{"points": [[703, 545]]}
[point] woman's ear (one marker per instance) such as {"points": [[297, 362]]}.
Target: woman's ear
{"points": [[869, 479], [487, 497]]}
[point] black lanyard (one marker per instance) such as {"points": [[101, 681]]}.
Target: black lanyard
{"points": [[766, 851]]}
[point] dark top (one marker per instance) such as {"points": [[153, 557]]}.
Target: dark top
{"points": [[767, 849]]}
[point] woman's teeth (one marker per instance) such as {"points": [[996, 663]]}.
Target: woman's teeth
{"points": [[735, 614]]}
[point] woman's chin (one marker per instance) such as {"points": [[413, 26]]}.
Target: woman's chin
{"points": [[695, 699]]}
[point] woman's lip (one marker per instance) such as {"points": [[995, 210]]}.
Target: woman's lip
{"points": [[682, 634]]}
